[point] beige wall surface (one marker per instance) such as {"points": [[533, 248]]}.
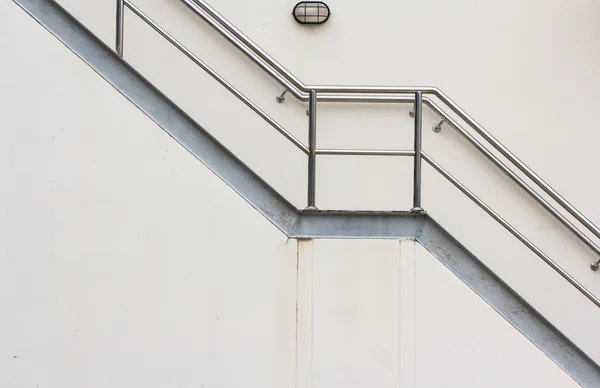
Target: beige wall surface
{"points": [[125, 262], [120, 264], [385, 313]]}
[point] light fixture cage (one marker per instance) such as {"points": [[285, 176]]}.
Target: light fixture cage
{"points": [[311, 12]]}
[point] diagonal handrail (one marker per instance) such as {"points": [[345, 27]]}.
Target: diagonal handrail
{"points": [[204, 67], [383, 95]]}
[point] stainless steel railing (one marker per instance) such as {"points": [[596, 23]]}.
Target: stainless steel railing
{"points": [[381, 94], [418, 96]]}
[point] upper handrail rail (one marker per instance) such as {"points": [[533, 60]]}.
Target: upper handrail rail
{"points": [[300, 91], [418, 99]]}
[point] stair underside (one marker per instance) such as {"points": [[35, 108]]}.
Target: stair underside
{"points": [[313, 224]]}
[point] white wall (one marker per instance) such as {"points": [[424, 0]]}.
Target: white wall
{"points": [[118, 265], [90, 201], [385, 313]]}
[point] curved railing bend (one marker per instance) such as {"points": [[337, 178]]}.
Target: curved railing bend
{"points": [[418, 96]]}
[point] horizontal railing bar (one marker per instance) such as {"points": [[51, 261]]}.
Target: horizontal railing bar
{"points": [[366, 152], [373, 89], [366, 98], [512, 230], [217, 77], [518, 180]]}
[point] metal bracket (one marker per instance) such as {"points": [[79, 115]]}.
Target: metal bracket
{"points": [[595, 266], [281, 98], [438, 127], [418, 210], [411, 113]]}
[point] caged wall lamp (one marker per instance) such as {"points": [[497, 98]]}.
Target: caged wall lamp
{"points": [[311, 12]]}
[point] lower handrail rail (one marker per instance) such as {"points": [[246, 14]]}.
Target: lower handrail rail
{"points": [[212, 73], [512, 230]]}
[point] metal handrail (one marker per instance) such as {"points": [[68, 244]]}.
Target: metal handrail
{"points": [[340, 94], [314, 94]]}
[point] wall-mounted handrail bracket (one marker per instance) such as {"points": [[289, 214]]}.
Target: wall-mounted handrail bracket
{"points": [[411, 112], [437, 128], [281, 97], [595, 266]]}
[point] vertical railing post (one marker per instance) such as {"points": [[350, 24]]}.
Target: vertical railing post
{"points": [[120, 22], [418, 114], [312, 146]]}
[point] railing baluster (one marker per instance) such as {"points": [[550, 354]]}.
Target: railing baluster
{"points": [[312, 146], [418, 115], [120, 22]]}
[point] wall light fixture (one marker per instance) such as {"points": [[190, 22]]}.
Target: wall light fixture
{"points": [[311, 12]]}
